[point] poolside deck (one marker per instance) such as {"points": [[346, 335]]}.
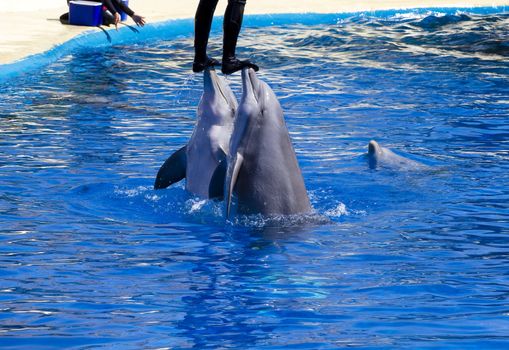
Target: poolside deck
{"points": [[32, 26]]}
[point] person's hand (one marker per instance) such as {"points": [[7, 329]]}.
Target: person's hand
{"points": [[117, 20], [140, 21]]}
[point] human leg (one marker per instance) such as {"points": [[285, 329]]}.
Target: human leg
{"points": [[231, 26], [202, 24]]}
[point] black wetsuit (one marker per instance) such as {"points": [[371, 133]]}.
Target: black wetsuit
{"points": [[231, 27], [111, 5]]}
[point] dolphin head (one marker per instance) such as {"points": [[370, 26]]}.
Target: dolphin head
{"points": [[258, 99], [257, 91], [259, 108], [217, 92], [379, 156]]}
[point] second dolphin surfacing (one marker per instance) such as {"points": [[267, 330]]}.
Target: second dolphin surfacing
{"points": [[207, 149], [262, 169], [379, 156]]}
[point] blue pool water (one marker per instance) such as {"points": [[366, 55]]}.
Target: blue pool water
{"points": [[92, 257]]}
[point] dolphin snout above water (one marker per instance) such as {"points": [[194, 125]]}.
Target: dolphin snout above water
{"points": [[263, 170]]}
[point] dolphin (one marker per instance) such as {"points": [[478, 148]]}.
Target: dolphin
{"points": [[207, 149], [379, 156], [262, 167]]}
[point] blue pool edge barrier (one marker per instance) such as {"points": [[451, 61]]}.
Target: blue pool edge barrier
{"points": [[173, 28]]}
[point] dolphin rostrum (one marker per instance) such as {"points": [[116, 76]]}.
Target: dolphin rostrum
{"points": [[207, 149], [262, 167]]}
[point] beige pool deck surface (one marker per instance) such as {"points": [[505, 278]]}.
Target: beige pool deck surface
{"points": [[31, 26]]}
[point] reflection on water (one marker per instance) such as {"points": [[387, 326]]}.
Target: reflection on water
{"points": [[91, 256]]}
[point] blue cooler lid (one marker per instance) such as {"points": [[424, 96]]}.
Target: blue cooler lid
{"points": [[85, 3]]}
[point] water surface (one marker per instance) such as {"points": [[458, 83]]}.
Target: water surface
{"points": [[92, 257]]}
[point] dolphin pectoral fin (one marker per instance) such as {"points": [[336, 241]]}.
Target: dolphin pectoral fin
{"points": [[233, 180], [173, 170], [216, 186]]}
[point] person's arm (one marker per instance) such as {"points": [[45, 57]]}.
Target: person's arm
{"points": [[113, 10], [123, 7], [139, 20], [109, 6]]}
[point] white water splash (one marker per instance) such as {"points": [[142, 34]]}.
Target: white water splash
{"points": [[338, 211], [195, 205]]}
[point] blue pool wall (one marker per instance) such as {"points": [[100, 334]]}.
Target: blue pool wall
{"points": [[184, 27]]}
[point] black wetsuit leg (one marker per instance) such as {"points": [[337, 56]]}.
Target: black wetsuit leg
{"points": [[202, 24], [232, 24]]}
